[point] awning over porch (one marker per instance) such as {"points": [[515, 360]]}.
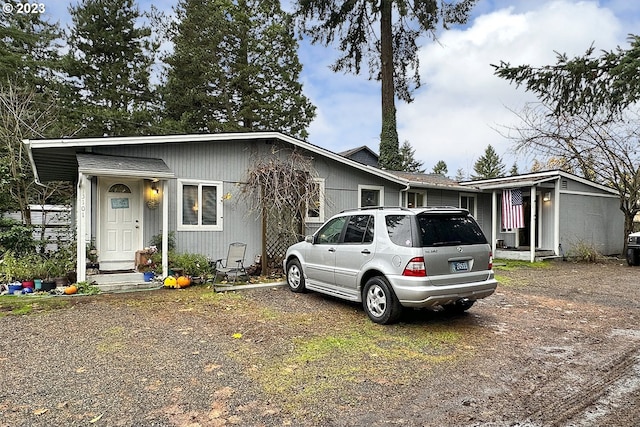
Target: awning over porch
{"points": [[102, 165]]}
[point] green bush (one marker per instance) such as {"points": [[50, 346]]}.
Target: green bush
{"points": [[584, 252], [192, 264], [16, 237], [157, 241]]}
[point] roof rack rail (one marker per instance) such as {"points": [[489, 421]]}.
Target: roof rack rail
{"points": [[375, 208], [369, 208]]}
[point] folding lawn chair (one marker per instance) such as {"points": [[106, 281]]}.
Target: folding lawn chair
{"points": [[234, 264]]}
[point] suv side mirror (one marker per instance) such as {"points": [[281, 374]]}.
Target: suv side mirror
{"points": [[309, 239]]}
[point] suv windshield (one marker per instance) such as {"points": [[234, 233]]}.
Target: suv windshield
{"points": [[445, 230]]}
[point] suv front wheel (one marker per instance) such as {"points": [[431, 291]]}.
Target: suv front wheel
{"points": [[379, 301], [295, 277]]}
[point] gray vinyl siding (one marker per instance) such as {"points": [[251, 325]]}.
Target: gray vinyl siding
{"points": [[229, 162], [590, 220], [442, 198], [483, 215]]}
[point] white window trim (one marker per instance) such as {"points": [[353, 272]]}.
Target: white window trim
{"points": [[320, 217], [219, 206], [380, 188], [475, 202], [424, 198]]}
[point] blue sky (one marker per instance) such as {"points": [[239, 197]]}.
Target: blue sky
{"points": [[461, 104]]}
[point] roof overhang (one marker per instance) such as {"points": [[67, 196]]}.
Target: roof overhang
{"points": [[532, 179], [55, 159]]}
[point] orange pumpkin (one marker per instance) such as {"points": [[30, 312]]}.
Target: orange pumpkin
{"points": [[183, 281], [70, 290], [170, 282]]}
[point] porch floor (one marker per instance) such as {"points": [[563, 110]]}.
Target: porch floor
{"points": [[523, 254]]}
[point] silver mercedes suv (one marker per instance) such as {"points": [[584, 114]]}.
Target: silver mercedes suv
{"points": [[390, 258]]}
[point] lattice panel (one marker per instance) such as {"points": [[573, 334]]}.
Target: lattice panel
{"points": [[282, 231]]}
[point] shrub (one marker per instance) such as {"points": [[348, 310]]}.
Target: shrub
{"points": [[191, 264], [16, 237], [584, 252]]}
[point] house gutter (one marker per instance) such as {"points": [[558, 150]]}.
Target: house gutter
{"points": [[27, 142]]}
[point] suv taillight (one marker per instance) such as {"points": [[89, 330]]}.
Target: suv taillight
{"points": [[490, 260], [415, 267]]}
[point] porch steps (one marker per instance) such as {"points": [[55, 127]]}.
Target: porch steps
{"points": [[115, 282]]}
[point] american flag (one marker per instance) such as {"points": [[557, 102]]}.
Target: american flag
{"points": [[512, 209]]}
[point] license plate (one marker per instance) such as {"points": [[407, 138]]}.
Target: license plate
{"points": [[459, 266]]}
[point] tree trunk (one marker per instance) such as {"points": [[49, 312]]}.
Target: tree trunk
{"points": [[628, 229], [389, 145]]}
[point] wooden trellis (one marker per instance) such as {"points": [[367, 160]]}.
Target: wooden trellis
{"points": [[282, 230]]}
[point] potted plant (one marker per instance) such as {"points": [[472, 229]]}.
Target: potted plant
{"points": [[148, 269], [24, 271]]}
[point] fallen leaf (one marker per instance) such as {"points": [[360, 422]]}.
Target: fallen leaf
{"points": [[211, 367], [40, 411], [237, 335], [96, 419]]}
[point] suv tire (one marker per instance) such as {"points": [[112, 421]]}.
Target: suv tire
{"points": [[295, 277], [379, 301], [458, 307]]}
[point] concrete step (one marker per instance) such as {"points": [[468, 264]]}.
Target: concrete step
{"points": [[129, 286], [113, 282]]}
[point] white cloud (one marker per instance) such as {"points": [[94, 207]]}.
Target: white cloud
{"points": [[461, 101]]}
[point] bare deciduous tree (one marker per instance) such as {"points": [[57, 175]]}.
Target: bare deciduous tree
{"points": [[282, 182], [598, 147], [21, 117]]}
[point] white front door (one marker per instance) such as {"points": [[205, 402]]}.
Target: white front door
{"points": [[119, 223]]}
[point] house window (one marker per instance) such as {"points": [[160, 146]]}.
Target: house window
{"points": [[119, 188], [469, 202], [199, 205], [370, 196], [415, 199], [315, 210]]}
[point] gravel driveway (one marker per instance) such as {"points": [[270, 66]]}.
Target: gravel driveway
{"points": [[558, 345]]}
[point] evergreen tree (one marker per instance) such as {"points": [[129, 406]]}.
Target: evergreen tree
{"points": [[440, 168], [28, 51], [489, 165], [28, 90], [460, 175], [514, 170], [110, 58], [408, 160], [234, 67], [391, 49]]}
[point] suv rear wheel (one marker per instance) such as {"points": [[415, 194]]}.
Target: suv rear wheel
{"points": [[295, 277], [459, 306], [379, 301]]}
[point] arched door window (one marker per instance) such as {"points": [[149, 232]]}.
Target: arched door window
{"points": [[119, 188]]}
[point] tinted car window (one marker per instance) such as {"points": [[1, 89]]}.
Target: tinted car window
{"points": [[359, 229], [445, 230], [399, 229], [331, 231]]}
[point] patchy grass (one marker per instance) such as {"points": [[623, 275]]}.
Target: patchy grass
{"points": [[512, 264], [329, 364], [11, 305]]}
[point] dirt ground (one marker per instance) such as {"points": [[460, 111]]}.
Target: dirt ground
{"points": [[555, 346]]}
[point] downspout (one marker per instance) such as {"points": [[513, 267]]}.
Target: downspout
{"points": [[407, 187]]}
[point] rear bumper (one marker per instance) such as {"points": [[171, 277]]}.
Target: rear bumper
{"points": [[420, 293]]}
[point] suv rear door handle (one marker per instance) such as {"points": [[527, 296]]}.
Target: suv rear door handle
{"points": [[365, 251], [332, 249]]}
